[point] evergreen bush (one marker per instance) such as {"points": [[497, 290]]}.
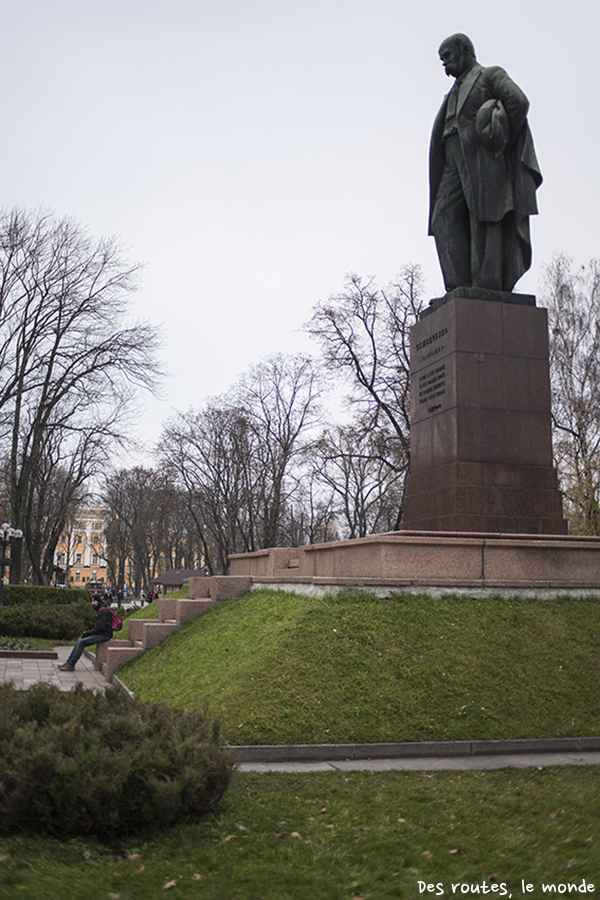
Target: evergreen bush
{"points": [[81, 763], [15, 594], [58, 614], [41, 620]]}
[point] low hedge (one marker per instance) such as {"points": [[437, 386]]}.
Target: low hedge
{"points": [[81, 763], [15, 594], [41, 620], [58, 614]]}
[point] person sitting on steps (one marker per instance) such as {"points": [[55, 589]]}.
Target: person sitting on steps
{"points": [[102, 632]]}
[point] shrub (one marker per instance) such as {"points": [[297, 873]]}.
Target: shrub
{"points": [[44, 620], [15, 594], [58, 614], [80, 763]]}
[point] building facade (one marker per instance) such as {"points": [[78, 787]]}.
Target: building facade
{"points": [[81, 551]]}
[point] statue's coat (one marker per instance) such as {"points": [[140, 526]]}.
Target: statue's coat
{"points": [[498, 184]]}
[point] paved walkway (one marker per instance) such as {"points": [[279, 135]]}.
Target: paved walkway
{"points": [[431, 764], [25, 672]]}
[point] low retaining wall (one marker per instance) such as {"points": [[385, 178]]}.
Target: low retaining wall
{"points": [[409, 749], [432, 562]]}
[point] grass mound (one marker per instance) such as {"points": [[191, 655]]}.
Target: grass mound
{"points": [[279, 668], [78, 764]]}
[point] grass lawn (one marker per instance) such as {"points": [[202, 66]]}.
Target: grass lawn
{"points": [[30, 643], [279, 668], [337, 836]]}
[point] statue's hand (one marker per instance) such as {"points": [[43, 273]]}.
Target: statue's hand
{"points": [[491, 124]]}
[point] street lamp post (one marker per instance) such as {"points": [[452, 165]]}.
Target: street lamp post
{"points": [[8, 533]]}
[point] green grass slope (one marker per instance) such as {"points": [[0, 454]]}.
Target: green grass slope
{"points": [[279, 668]]}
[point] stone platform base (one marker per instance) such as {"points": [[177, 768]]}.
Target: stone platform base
{"points": [[436, 563]]}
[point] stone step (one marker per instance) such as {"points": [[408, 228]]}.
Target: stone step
{"points": [[166, 608], [187, 610], [102, 650], [155, 632], [136, 628], [115, 657]]}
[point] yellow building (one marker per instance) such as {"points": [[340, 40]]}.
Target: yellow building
{"points": [[81, 551]]}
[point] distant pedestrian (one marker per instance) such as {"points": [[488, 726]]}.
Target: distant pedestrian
{"points": [[102, 632], [119, 599]]}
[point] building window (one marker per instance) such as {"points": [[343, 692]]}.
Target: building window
{"points": [[95, 539], [78, 539], [78, 560], [62, 559], [94, 559]]}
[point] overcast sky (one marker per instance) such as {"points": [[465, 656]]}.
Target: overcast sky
{"points": [[253, 152]]}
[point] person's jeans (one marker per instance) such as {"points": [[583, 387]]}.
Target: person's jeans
{"points": [[84, 642]]}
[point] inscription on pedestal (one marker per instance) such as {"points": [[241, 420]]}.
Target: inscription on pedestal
{"points": [[432, 385], [431, 345]]}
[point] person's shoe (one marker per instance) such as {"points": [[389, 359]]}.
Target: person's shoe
{"points": [[66, 668]]}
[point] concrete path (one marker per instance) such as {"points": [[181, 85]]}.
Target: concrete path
{"points": [[430, 764], [25, 672]]}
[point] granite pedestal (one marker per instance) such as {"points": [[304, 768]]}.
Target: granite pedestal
{"points": [[481, 443]]}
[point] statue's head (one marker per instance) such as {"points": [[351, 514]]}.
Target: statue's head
{"points": [[457, 54]]}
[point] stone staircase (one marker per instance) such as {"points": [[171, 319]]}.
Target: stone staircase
{"points": [[172, 614]]}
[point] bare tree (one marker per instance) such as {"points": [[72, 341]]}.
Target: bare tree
{"points": [[148, 525], [364, 335], [572, 296], [208, 454], [56, 488], [311, 514], [236, 459], [359, 468], [70, 363], [281, 399]]}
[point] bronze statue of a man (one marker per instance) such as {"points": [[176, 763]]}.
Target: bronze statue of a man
{"points": [[483, 174]]}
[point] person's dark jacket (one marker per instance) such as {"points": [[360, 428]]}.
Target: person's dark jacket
{"points": [[103, 622]]}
